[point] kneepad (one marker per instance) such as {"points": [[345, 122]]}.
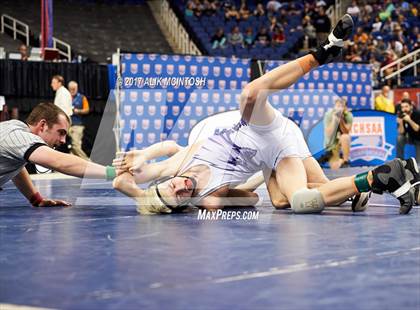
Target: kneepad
{"points": [[307, 201]]}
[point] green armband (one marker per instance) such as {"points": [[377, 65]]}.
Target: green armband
{"points": [[361, 182], [110, 173]]}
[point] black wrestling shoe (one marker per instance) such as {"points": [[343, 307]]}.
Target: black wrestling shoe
{"points": [[408, 200], [331, 49], [359, 203], [413, 173], [394, 178]]}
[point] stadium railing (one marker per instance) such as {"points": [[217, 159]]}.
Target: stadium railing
{"points": [[8, 22], [401, 67]]}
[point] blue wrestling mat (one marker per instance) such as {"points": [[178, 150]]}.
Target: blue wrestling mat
{"points": [[100, 254]]}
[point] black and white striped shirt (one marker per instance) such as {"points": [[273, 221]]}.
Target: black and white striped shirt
{"points": [[16, 145]]}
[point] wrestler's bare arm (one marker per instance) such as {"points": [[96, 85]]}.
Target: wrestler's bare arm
{"points": [[133, 161]]}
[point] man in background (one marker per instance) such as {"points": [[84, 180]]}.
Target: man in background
{"points": [[80, 108], [408, 121], [23, 51], [64, 102], [383, 102], [62, 95]]}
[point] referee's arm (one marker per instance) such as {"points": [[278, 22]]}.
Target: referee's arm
{"points": [[66, 163], [24, 184]]}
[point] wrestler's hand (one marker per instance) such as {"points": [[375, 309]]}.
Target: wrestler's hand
{"points": [[132, 161], [53, 203]]}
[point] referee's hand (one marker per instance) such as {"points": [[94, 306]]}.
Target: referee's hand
{"points": [[53, 203]]}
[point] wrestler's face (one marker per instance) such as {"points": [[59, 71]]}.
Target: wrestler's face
{"points": [[56, 134], [176, 190]]}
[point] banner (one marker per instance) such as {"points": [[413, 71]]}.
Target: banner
{"points": [[373, 138]]}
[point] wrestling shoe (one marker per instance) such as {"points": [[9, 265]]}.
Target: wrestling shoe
{"points": [[359, 203], [331, 49], [413, 173], [394, 178]]}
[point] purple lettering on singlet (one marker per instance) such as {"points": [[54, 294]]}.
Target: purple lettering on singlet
{"points": [[239, 157]]}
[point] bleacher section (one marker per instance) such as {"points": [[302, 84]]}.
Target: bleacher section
{"points": [[95, 30], [205, 27]]}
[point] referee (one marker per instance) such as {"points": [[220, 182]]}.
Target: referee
{"points": [[46, 127]]}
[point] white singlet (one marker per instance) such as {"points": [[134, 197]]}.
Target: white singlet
{"points": [[234, 155]]}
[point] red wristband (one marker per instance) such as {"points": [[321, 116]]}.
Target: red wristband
{"points": [[36, 199]]}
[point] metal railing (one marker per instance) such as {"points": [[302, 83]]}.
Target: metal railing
{"points": [[63, 48], [8, 22], [177, 32], [400, 66]]}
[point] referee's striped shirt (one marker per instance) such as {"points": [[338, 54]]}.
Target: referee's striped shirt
{"points": [[16, 145]]}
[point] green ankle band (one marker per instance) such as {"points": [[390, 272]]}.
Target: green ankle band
{"points": [[362, 183], [110, 173]]}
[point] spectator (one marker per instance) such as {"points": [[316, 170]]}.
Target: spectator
{"points": [[380, 46], [383, 102], [62, 95], [309, 31], [413, 36], [354, 10], [408, 129], [262, 37], [244, 12], [376, 26], [236, 38], [352, 53], [259, 10], [368, 9], [337, 126], [389, 8], [274, 25], [198, 8], [210, 7], [248, 37], [396, 47], [219, 39], [404, 97], [23, 50], [283, 17], [360, 36], [390, 57], [232, 12], [80, 108], [398, 35], [272, 7], [189, 9], [322, 25], [279, 36]]}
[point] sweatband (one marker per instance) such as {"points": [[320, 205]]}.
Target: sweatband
{"points": [[36, 199], [361, 182], [110, 173]]}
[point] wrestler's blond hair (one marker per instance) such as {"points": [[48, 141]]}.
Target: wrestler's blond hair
{"points": [[149, 203]]}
